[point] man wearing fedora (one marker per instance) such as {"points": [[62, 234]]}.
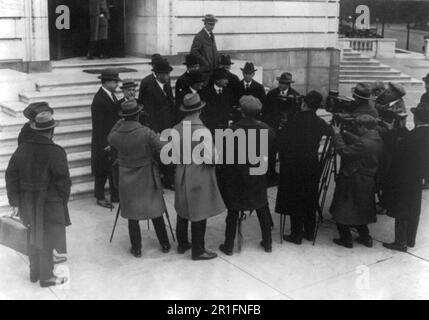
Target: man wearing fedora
{"points": [[30, 113], [220, 100], [410, 165], [233, 80], [140, 188], [192, 64], [280, 102], [195, 83], [197, 196], [391, 103], [362, 96], [158, 101], [38, 184], [104, 112], [248, 86], [155, 58], [129, 91], [204, 44]]}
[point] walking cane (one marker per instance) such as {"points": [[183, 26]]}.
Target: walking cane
{"points": [[239, 230], [116, 222], [168, 219]]}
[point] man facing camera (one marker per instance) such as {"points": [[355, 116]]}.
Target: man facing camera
{"points": [[204, 45]]}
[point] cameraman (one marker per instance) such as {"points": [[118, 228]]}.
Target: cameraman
{"points": [[362, 96], [354, 198]]}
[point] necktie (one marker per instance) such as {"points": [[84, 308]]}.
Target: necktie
{"points": [[212, 36], [247, 85], [114, 98]]}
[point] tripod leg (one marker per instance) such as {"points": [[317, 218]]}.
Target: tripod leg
{"points": [[116, 222]]}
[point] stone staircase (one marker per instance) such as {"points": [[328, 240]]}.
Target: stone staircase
{"points": [[355, 67], [70, 92]]}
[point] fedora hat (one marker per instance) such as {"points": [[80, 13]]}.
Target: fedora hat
{"points": [[109, 74], [44, 121], [129, 108], [313, 99], [196, 77], [249, 67], [35, 108], [225, 60], [162, 66], [219, 74], [155, 58], [421, 112], [285, 77], [210, 18], [192, 102], [362, 91], [426, 79], [128, 83], [191, 60], [397, 88]]}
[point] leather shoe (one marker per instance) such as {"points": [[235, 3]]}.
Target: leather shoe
{"points": [[395, 246], [34, 276], [166, 248], [207, 255], [105, 204], [136, 252], [54, 281], [268, 249], [367, 242], [342, 243], [225, 250], [59, 259], [183, 249], [293, 239]]}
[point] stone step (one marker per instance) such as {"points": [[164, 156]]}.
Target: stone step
{"points": [[410, 85], [375, 77], [359, 63], [15, 108], [368, 68], [355, 58], [370, 72], [98, 63], [15, 124]]}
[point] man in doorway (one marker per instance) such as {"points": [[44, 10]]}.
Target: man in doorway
{"points": [[98, 36], [204, 45]]}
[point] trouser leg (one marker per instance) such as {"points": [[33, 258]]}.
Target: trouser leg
{"points": [[310, 223], [401, 232], [114, 193], [46, 261], [231, 229], [345, 233], [161, 231], [272, 161], [99, 184], [413, 225], [135, 234], [198, 230], [297, 225], [33, 257], [182, 231], [363, 232], [265, 222]]}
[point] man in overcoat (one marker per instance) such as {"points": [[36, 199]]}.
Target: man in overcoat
{"points": [[38, 184], [403, 188], [140, 188], [244, 191], [280, 102], [30, 113], [195, 83], [99, 16], [425, 99], [197, 195], [362, 95], [226, 63], [204, 45], [192, 64], [354, 197], [158, 101], [250, 87], [104, 112], [300, 171]]}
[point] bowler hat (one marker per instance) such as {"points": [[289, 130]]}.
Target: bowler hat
{"points": [[219, 74], [285, 77], [426, 79], [192, 102], [109, 74], [225, 60], [362, 91], [210, 18], [129, 108], [162, 66], [191, 60], [196, 77], [421, 112], [128, 83], [398, 88], [35, 108], [44, 121], [313, 99], [249, 67]]}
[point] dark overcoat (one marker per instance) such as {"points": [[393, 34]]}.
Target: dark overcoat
{"points": [[298, 144], [26, 134], [354, 196], [219, 109], [38, 183], [425, 98], [256, 90], [410, 164], [273, 108], [98, 25], [233, 84], [140, 188], [182, 84], [205, 49], [104, 112], [158, 104], [240, 190], [365, 108]]}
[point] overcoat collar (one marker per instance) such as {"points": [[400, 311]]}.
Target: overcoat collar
{"points": [[129, 126], [39, 139]]}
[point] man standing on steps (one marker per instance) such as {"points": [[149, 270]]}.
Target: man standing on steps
{"points": [[104, 112], [204, 45]]}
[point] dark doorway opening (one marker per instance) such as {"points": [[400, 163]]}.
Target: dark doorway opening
{"points": [[74, 41]]}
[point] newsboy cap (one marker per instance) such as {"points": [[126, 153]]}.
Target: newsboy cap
{"points": [[250, 106], [35, 108]]}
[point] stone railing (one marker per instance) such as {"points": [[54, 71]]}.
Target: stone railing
{"points": [[375, 48]]}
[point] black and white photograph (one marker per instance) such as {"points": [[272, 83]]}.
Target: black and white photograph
{"points": [[214, 155]]}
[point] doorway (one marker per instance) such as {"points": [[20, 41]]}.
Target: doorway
{"points": [[74, 41]]}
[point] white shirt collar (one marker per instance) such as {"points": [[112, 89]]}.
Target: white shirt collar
{"points": [[208, 32], [108, 93], [193, 90], [161, 85], [218, 88], [393, 102], [284, 93], [248, 83]]}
